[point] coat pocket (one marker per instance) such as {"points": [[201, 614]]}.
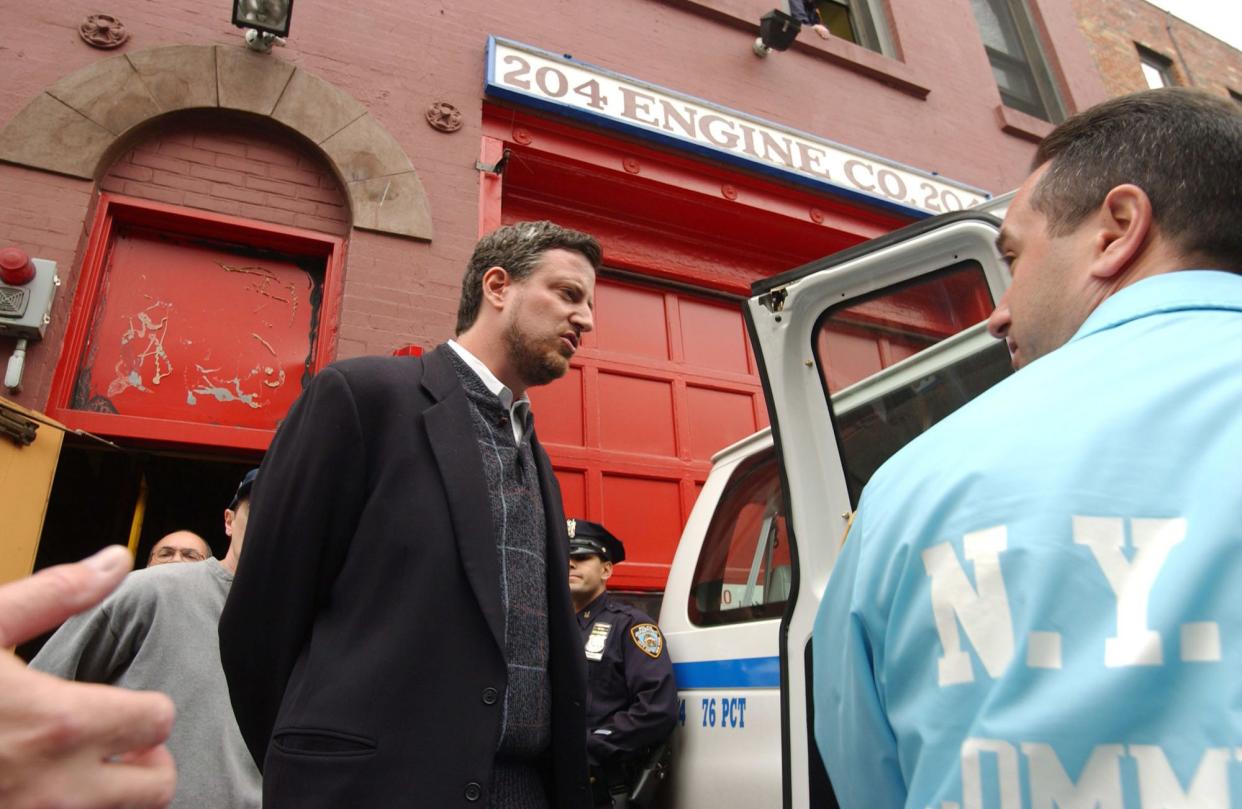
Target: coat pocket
{"points": [[321, 742]]}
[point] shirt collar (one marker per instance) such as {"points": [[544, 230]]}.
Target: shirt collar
{"points": [[1166, 292], [500, 389], [599, 601]]}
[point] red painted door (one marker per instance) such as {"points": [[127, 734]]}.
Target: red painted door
{"points": [[664, 381], [191, 332]]}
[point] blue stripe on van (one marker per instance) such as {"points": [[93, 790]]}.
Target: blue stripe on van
{"points": [[749, 672]]}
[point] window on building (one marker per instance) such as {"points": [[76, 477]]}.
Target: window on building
{"points": [[1157, 69], [857, 21], [1017, 63]]}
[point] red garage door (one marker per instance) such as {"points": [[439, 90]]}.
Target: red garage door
{"points": [[664, 381]]}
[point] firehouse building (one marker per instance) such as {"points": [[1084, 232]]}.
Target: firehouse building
{"points": [[224, 222]]}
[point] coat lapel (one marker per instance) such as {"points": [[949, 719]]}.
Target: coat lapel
{"points": [[453, 440]]}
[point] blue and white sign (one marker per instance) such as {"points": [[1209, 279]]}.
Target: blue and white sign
{"points": [[560, 84]]}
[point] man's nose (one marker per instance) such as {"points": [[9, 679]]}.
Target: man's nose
{"points": [[583, 318], [1000, 319]]}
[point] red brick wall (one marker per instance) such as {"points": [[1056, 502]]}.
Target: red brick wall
{"points": [[190, 160], [1114, 29], [45, 215], [395, 296], [218, 166], [397, 58]]}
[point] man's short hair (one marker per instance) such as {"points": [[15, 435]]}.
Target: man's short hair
{"points": [[517, 248], [1182, 147]]}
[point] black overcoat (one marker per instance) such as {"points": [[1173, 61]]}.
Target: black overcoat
{"points": [[363, 636]]}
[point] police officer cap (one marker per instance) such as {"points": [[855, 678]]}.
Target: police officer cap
{"points": [[243, 489], [592, 539]]}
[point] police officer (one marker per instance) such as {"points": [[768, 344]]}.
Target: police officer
{"points": [[631, 695]]}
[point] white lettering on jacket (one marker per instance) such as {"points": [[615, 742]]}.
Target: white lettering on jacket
{"points": [[1132, 581], [1101, 783], [983, 611]]}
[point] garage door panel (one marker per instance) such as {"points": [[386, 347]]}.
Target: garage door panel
{"points": [[573, 490], [636, 414], [646, 514], [713, 335], [558, 410], [629, 320], [665, 380], [717, 419]]}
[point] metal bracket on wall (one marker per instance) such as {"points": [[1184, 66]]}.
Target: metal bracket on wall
{"points": [[496, 168], [17, 427]]}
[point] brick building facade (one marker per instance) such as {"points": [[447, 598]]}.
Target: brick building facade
{"points": [[1120, 33], [225, 222]]}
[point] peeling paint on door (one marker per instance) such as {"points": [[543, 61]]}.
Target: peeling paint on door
{"points": [[199, 332]]}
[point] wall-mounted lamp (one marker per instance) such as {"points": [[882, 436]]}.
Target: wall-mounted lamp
{"points": [[266, 22], [777, 31]]}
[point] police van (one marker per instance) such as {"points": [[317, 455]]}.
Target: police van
{"points": [[859, 353]]}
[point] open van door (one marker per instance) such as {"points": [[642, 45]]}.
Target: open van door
{"points": [[859, 353]]}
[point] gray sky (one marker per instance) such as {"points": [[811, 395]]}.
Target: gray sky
{"points": [[1220, 18]]}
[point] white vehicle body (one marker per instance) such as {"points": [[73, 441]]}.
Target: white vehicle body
{"points": [[755, 555]]}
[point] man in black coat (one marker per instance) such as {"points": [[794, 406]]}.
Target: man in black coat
{"points": [[401, 634]]}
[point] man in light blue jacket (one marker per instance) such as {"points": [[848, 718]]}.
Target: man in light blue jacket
{"points": [[1040, 601]]}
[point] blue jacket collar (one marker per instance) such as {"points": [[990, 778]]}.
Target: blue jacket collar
{"points": [[1167, 292]]}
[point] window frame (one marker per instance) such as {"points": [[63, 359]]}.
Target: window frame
{"points": [[1033, 61], [869, 21], [1159, 64]]}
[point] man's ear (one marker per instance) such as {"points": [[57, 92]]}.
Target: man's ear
{"points": [[1123, 231], [496, 283], [605, 570], [228, 522]]}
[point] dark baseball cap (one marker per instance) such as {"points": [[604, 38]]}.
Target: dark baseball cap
{"points": [[243, 488], [588, 538]]}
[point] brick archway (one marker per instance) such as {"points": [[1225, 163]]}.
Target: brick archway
{"points": [[79, 125]]}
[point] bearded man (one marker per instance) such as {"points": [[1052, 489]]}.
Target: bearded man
{"points": [[402, 632]]}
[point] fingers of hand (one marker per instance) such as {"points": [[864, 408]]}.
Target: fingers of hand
{"points": [[142, 781], [80, 745], [40, 602], [117, 721], [146, 781], [47, 716]]}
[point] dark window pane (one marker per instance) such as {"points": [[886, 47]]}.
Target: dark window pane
{"points": [[859, 339], [744, 569], [866, 336], [872, 433], [837, 18]]}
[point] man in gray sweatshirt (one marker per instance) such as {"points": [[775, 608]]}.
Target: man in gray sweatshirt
{"points": [[157, 632]]}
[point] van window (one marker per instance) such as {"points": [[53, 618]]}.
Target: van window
{"points": [[866, 335], [858, 340], [743, 572]]}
